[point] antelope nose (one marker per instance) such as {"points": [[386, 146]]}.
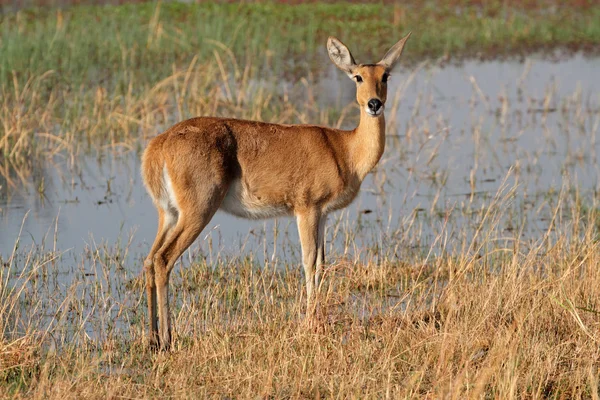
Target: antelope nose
{"points": [[374, 105]]}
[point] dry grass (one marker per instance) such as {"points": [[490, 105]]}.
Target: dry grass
{"points": [[476, 311], [493, 320], [59, 122]]}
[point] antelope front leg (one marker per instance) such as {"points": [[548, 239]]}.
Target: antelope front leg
{"points": [[308, 228]]}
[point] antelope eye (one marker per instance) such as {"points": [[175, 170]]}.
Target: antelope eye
{"points": [[358, 78], [385, 78]]}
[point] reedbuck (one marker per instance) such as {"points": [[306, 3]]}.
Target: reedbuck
{"points": [[259, 170]]}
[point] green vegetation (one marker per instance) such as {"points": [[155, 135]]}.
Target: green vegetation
{"points": [[140, 43], [105, 76]]}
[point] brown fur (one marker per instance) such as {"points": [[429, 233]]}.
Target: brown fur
{"points": [[254, 170]]}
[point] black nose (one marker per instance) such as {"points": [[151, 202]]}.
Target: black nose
{"points": [[374, 105]]}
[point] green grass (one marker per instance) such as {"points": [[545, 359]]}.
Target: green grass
{"points": [[140, 43], [90, 77]]}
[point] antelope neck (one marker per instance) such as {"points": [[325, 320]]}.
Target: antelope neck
{"points": [[368, 143]]}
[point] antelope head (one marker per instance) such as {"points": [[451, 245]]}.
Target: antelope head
{"points": [[371, 79]]}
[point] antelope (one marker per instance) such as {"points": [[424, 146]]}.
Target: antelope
{"points": [[260, 170]]}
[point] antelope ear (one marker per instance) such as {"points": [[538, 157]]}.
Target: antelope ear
{"points": [[340, 55], [393, 54]]}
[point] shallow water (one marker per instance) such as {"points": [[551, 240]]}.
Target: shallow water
{"points": [[455, 134]]}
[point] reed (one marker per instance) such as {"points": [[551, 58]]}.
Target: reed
{"points": [[503, 317], [448, 300]]}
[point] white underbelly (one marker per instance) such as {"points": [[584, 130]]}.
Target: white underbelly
{"points": [[239, 202]]}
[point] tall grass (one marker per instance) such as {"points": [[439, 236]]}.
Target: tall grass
{"points": [[98, 77], [59, 122], [114, 45], [475, 310], [504, 317]]}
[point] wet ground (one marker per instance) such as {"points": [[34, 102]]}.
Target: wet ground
{"points": [[456, 136]]}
